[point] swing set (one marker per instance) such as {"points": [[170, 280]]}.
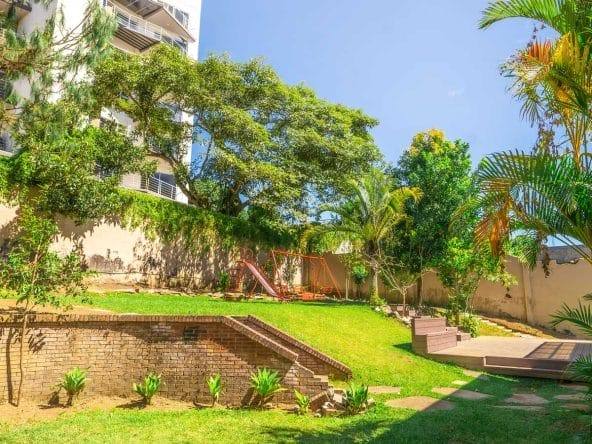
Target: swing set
{"points": [[276, 276]]}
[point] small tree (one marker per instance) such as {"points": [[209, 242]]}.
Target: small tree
{"points": [[37, 275], [368, 217]]}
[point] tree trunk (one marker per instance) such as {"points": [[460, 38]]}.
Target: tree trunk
{"points": [[21, 358], [374, 296], [420, 290]]}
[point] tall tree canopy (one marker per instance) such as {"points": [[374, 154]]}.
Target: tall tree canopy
{"points": [[259, 142], [441, 170]]}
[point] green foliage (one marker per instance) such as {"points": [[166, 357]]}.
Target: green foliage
{"points": [[581, 370], [470, 324], [266, 383], [356, 398], [223, 282], [150, 387], [261, 143], [73, 383], [303, 403], [441, 170], [359, 274], [215, 387], [368, 216], [196, 228], [32, 271]]}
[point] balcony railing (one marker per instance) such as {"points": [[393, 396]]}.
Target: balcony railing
{"points": [[150, 183], [149, 33]]}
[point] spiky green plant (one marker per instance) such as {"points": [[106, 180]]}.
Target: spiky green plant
{"points": [[581, 317], [73, 383], [356, 398], [151, 386], [303, 402], [266, 383], [215, 387]]}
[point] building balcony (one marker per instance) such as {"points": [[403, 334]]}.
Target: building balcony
{"points": [[152, 184], [22, 7], [142, 33]]}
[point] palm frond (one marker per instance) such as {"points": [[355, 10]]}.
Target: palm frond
{"points": [[580, 316], [544, 11], [581, 369]]}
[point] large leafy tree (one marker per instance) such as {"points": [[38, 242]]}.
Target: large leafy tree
{"points": [[441, 169], [368, 217], [260, 144], [59, 155]]}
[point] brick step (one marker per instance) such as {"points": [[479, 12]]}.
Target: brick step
{"points": [[314, 360], [462, 336]]}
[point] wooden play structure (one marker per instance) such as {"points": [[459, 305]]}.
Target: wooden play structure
{"points": [[277, 275]]}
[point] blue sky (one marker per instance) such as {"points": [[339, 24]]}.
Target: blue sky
{"points": [[413, 64]]}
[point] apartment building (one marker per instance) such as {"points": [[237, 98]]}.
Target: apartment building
{"points": [[142, 24]]}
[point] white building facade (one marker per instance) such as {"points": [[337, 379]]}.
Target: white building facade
{"points": [[142, 24]]}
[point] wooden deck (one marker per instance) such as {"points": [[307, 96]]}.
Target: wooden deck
{"points": [[531, 357]]}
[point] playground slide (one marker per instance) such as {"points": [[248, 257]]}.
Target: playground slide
{"points": [[268, 286]]}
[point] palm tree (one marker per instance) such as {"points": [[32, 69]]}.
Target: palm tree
{"points": [[553, 79], [547, 194], [581, 367], [540, 195], [367, 217]]}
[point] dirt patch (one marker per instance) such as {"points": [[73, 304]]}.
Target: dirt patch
{"points": [[33, 412], [571, 397], [521, 327], [10, 306]]}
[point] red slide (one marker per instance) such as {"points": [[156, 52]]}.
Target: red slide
{"points": [[263, 280]]}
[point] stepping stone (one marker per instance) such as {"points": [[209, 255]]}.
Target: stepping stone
{"points": [[384, 389], [458, 382], [577, 387], [421, 403], [462, 394], [576, 406], [526, 399], [571, 397], [474, 374], [528, 408]]}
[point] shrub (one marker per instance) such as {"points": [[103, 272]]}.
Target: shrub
{"points": [[470, 324], [73, 383], [215, 386], [356, 398], [303, 402], [150, 387], [223, 282], [266, 383]]}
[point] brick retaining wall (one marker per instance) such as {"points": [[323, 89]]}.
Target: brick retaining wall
{"points": [[121, 349]]}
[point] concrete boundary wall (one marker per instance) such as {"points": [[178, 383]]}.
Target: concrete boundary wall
{"points": [[534, 298]]}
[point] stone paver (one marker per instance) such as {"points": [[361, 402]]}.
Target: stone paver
{"points": [[577, 387], [459, 382], [421, 403], [576, 406], [528, 408], [526, 399], [384, 389], [571, 397], [474, 374], [462, 394]]}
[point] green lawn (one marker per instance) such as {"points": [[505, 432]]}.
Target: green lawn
{"points": [[376, 348]]}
